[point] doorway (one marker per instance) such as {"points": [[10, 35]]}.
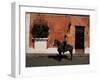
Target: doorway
{"points": [[79, 39]]}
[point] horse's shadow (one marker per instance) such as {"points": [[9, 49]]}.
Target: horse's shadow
{"points": [[59, 57]]}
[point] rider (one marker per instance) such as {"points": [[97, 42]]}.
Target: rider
{"points": [[65, 42]]}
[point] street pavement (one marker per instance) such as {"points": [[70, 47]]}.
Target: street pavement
{"points": [[37, 60]]}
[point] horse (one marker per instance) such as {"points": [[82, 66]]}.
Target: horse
{"points": [[60, 47]]}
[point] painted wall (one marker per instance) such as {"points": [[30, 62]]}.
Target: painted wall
{"points": [[58, 27]]}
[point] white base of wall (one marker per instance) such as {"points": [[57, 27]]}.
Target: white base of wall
{"points": [[87, 50], [45, 51], [50, 51]]}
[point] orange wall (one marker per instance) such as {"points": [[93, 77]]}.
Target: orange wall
{"points": [[58, 25]]}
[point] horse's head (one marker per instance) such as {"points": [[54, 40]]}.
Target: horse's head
{"points": [[56, 42]]}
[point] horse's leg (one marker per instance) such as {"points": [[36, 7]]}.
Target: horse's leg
{"points": [[71, 54], [59, 52], [63, 52]]}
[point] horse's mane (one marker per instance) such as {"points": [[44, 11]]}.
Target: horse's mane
{"points": [[59, 42]]}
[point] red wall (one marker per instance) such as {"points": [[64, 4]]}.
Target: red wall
{"points": [[58, 25]]}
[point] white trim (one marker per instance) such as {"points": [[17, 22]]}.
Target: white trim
{"points": [[90, 8], [27, 24], [15, 71], [50, 51]]}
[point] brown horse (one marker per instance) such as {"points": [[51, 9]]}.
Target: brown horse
{"points": [[60, 47]]}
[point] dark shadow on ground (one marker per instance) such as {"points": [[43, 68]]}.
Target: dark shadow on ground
{"points": [[59, 57]]}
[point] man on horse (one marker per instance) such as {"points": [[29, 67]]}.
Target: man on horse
{"points": [[63, 47], [65, 42]]}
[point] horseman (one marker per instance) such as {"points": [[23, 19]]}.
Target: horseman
{"points": [[65, 42], [63, 47]]}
